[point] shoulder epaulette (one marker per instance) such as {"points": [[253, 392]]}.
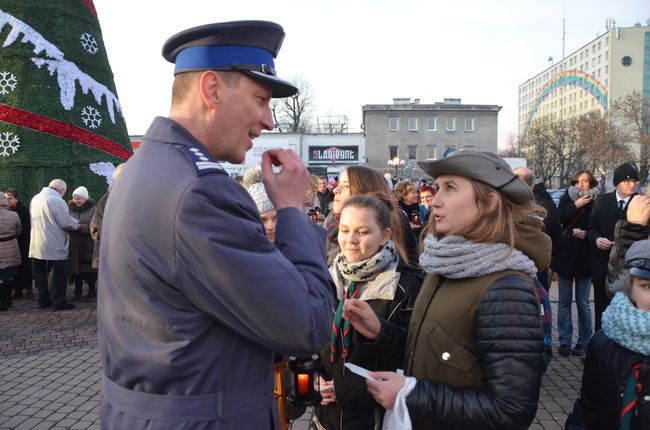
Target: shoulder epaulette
{"points": [[202, 162]]}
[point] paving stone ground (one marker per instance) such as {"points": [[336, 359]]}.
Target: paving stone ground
{"points": [[50, 371]]}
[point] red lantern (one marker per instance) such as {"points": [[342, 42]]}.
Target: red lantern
{"points": [[304, 380]]}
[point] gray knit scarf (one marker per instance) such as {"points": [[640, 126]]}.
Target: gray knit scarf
{"points": [[366, 270], [627, 325], [456, 257]]}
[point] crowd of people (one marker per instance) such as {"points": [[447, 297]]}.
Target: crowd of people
{"points": [[47, 245], [438, 288]]}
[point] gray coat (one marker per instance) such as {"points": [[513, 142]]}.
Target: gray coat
{"points": [[194, 300], [51, 223]]}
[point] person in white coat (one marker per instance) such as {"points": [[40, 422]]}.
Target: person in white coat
{"points": [[48, 246]]}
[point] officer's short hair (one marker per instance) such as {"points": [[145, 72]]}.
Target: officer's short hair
{"points": [[183, 83]]}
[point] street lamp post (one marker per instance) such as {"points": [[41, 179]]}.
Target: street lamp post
{"points": [[396, 163]]}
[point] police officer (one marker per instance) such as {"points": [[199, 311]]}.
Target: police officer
{"points": [[194, 299]]}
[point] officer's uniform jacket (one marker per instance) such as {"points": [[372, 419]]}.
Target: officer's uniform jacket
{"points": [[194, 300]]}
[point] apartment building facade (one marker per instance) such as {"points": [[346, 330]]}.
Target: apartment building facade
{"points": [[426, 131], [589, 79]]}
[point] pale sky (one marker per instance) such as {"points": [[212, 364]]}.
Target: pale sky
{"points": [[355, 53]]}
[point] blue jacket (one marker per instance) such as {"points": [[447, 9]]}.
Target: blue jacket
{"points": [[194, 300]]}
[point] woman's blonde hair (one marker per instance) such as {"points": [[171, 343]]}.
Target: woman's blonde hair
{"points": [[402, 189]]}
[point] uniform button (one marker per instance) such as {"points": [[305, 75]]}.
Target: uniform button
{"points": [[446, 356], [646, 398]]}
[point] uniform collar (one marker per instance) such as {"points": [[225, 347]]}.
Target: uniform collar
{"points": [[167, 130]]}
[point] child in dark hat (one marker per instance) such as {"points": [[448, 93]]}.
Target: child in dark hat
{"points": [[616, 383]]}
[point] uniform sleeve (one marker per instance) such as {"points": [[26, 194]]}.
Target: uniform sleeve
{"points": [[509, 346], [279, 297]]}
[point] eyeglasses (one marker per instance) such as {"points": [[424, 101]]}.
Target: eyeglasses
{"points": [[426, 196]]}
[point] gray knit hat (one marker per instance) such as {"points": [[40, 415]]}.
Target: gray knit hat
{"points": [[261, 199]]}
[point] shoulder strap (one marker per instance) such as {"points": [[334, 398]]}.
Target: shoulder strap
{"points": [[575, 219]]}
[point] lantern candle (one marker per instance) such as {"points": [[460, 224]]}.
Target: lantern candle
{"points": [[303, 383]]}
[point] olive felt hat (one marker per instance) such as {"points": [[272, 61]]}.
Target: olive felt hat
{"points": [[482, 166], [249, 47]]}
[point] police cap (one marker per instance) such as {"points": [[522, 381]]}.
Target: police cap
{"points": [[245, 46], [637, 259]]}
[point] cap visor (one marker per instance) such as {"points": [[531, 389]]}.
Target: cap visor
{"points": [[279, 87], [639, 273]]}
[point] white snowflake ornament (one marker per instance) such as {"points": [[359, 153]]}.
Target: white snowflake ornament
{"points": [[91, 117], [9, 143], [89, 43], [8, 82]]}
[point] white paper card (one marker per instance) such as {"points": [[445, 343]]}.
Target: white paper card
{"points": [[359, 371]]}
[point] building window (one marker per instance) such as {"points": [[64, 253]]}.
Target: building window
{"points": [[469, 124], [413, 124], [431, 152], [450, 124], [431, 123], [392, 152], [412, 151], [393, 123]]}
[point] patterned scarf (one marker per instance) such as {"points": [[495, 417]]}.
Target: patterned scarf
{"points": [[455, 257], [630, 395], [356, 273], [332, 226], [627, 325]]}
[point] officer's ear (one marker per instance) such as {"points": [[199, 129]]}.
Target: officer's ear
{"points": [[211, 86]]}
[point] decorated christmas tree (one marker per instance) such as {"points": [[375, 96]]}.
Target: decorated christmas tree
{"points": [[59, 112]]}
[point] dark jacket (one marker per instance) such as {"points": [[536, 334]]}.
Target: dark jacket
{"points": [[599, 405], [325, 200], [603, 218], [475, 346], [574, 256], [552, 225], [354, 407], [625, 234], [23, 238], [410, 240], [80, 253]]}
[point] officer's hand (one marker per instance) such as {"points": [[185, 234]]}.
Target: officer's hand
{"points": [[288, 187], [638, 211]]}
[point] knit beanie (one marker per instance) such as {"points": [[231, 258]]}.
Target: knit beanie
{"points": [[625, 171], [261, 199], [81, 192]]}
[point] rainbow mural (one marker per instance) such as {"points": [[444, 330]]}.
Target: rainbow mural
{"points": [[576, 78]]}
